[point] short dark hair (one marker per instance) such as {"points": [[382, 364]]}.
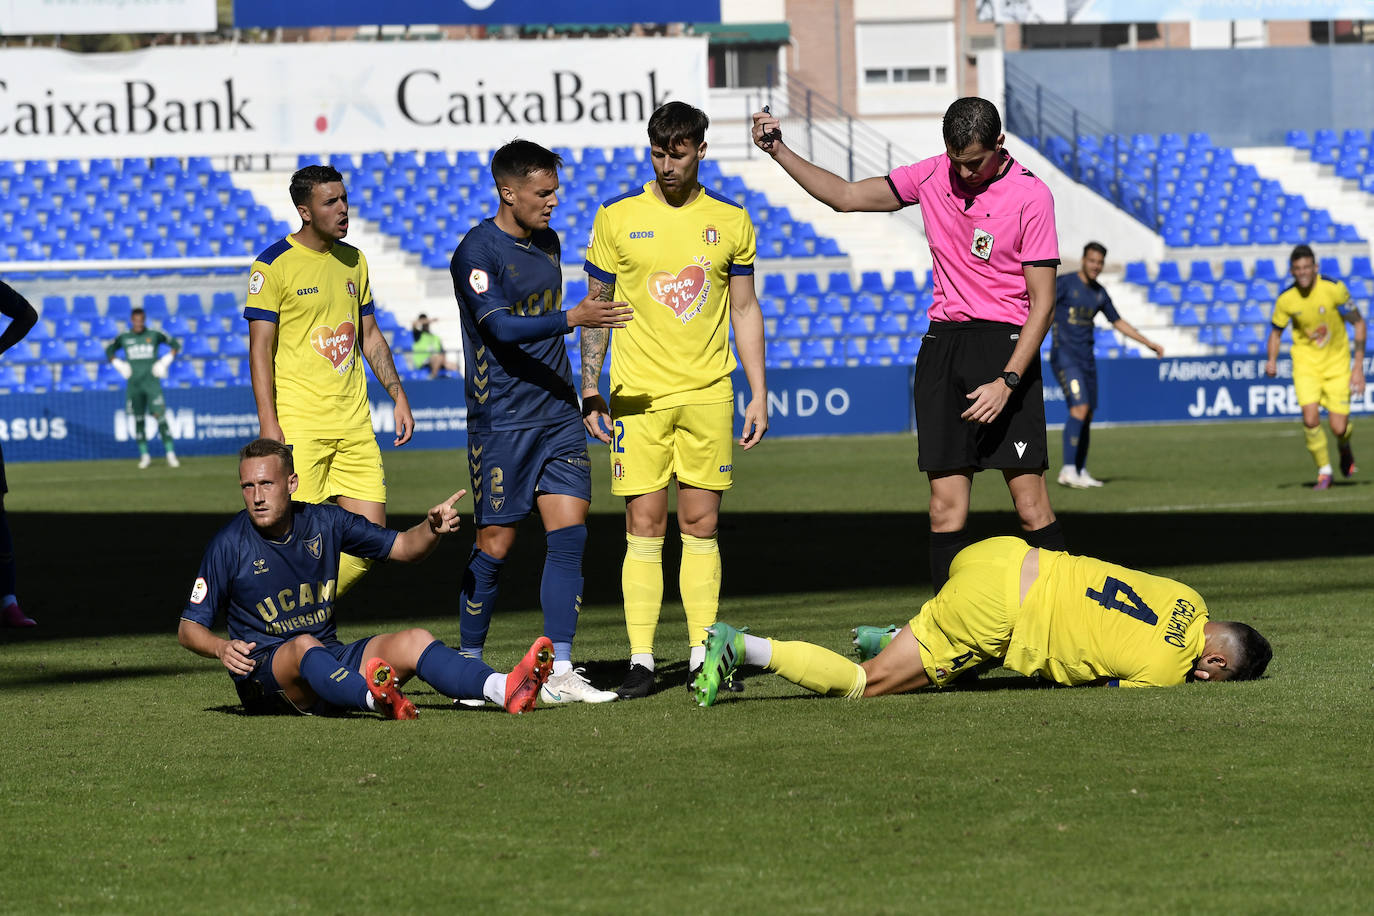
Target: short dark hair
{"points": [[675, 123], [304, 181], [136, 310], [1095, 246], [521, 159], [1254, 650], [969, 119], [1300, 252], [266, 448]]}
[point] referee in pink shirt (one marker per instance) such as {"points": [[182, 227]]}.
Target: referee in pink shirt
{"points": [[979, 398]]}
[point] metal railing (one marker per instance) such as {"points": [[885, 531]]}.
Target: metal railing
{"points": [[823, 132], [1058, 130]]}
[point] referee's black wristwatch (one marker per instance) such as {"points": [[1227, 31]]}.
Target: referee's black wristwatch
{"points": [[1011, 378]]}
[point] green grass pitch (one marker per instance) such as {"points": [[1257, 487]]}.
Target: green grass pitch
{"points": [[129, 783]]}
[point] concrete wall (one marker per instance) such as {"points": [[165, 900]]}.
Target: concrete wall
{"points": [[1241, 97]]}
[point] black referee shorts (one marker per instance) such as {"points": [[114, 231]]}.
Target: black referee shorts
{"points": [[955, 358]]}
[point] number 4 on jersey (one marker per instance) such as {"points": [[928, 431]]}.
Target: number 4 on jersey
{"points": [[1118, 596]]}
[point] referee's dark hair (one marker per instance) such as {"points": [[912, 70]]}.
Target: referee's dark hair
{"points": [[304, 181], [1095, 246], [675, 123], [521, 159], [969, 119], [266, 448], [1300, 252]]}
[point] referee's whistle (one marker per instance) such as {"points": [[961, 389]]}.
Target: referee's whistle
{"points": [[766, 141]]}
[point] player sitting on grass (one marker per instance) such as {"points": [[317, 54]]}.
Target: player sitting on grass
{"points": [[1072, 620], [273, 572]]}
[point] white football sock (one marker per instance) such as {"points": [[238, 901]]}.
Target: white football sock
{"points": [[561, 666], [643, 658], [697, 657], [494, 688], [757, 651]]}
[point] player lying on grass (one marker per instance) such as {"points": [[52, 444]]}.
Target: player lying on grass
{"points": [[273, 572], [1071, 620]]}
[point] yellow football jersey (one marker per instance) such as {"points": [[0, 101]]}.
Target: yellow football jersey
{"points": [[1320, 340], [317, 300], [673, 266], [1086, 619]]}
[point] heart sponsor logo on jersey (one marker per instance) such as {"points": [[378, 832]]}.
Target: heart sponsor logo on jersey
{"points": [[255, 283], [982, 244], [199, 591], [478, 281], [684, 293], [335, 344], [1320, 335]]}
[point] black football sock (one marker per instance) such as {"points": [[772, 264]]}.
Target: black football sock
{"points": [[1051, 537], [943, 546]]}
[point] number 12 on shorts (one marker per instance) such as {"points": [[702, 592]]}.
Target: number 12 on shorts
{"points": [[1118, 596], [618, 438]]}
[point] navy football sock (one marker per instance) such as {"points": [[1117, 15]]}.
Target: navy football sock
{"points": [[7, 585], [943, 547], [1051, 537], [332, 681], [1081, 461], [1073, 431], [560, 590], [476, 602], [452, 673]]}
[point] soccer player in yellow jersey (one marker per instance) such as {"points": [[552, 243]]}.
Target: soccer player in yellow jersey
{"points": [[310, 314], [1068, 619], [1324, 374], [682, 256]]}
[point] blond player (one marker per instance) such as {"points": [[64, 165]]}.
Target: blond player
{"points": [[682, 256], [310, 314], [1324, 374], [1068, 619]]}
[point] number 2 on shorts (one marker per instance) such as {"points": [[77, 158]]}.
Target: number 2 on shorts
{"points": [[618, 439]]}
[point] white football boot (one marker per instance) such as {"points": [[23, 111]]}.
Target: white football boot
{"points": [[1087, 480], [1068, 477], [573, 687]]}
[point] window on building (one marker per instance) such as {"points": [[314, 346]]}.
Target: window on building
{"points": [[1342, 31], [905, 52], [739, 66]]}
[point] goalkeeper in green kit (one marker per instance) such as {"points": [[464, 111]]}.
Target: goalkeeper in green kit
{"points": [[142, 368]]}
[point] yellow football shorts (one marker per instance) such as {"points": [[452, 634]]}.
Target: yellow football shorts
{"points": [[1328, 386], [971, 619], [692, 442], [350, 466]]}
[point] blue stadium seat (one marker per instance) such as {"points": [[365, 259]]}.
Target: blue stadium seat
{"points": [[1169, 273], [155, 306], [779, 352], [104, 328], [53, 350], [896, 301], [84, 308], [772, 306], [178, 326], [107, 379], [218, 373], [1331, 267], [833, 304], [1265, 270], [864, 304], [920, 323], [90, 350], [54, 308], [73, 377], [855, 325], [775, 285], [871, 281], [1201, 272], [840, 282], [807, 285], [881, 348], [1217, 314], [1298, 139], [69, 329], [1137, 272], [200, 346], [854, 348], [1197, 293], [1186, 316], [225, 304], [893, 323], [1252, 313], [1229, 291], [815, 351], [38, 377], [1163, 294], [904, 281], [798, 305], [908, 347], [793, 327], [237, 345], [825, 327]]}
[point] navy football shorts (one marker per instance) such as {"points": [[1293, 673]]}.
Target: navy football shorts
{"points": [[262, 695], [1079, 381], [511, 468]]}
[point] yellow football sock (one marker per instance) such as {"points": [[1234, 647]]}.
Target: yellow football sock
{"points": [[641, 582], [699, 583], [817, 668], [351, 569], [1316, 446]]}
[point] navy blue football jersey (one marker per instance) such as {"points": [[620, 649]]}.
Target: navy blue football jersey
{"points": [[512, 385], [270, 591], [1075, 305]]}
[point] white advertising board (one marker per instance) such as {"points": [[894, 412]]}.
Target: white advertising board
{"points": [[345, 97], [97, 17]]}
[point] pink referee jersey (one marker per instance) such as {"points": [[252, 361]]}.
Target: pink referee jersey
{"points": [[980, 243]]}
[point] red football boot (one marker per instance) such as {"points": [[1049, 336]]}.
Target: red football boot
{"points": [[525, 679], [381, 680]]}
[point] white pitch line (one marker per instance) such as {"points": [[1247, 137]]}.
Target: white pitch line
{"points": [[1256, 504]]}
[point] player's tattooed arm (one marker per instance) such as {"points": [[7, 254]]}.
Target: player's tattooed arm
{"points": [[596, 415], [379, 357]]}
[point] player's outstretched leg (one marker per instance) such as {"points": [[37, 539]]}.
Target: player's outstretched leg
{"points": [[724, 653], [869, 641], [1347, 456], [525, 679], [381, 682]]}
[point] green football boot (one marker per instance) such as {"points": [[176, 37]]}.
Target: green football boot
{"points": [[724, 653], [869, 641]]}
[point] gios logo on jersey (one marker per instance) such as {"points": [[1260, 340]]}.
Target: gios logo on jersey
{"points": [[478, 281], [199, 591], [255, 283], [982, 244], [684, 293]]}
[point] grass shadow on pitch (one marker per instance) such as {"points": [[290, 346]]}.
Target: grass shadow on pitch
{"points": [[133, 576]]}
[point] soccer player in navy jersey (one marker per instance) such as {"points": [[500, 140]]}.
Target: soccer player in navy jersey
{"points": [[273, 573], [526, 445], [1078, 297], [22, 319]]}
